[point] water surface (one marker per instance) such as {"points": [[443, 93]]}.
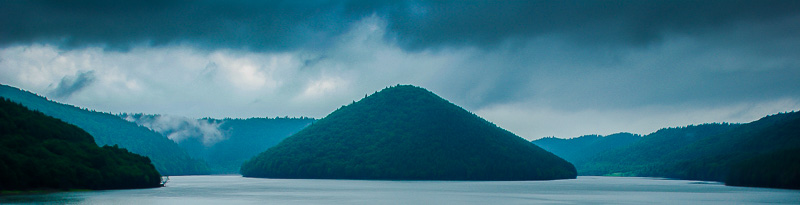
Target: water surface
{"points": [[197, 190]]}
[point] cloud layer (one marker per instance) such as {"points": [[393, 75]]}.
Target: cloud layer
{"points": [[415, 25], [537, 68]]}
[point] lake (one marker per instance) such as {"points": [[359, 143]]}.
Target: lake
{"points": [[197, 190]]}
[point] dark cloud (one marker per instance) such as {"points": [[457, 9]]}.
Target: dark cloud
{"points": [[415, 25], [72, 84], [250, 25], [558, 63], [426, 24]]}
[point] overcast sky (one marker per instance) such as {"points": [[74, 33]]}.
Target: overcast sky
{"points": [[536, 68]]}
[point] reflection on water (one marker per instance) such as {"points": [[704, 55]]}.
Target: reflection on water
{"points": [[197, 190], [51, 198]]}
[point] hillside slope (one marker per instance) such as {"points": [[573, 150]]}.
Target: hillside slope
{"points": [[647, 156], [759, 149], [41, 152], [761, 153], [108, 129]]}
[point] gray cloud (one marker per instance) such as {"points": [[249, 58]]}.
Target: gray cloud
{"points": [[426, 24], [71, 84], [415, 25], [249, 25], [537, 68], [180, 128]]}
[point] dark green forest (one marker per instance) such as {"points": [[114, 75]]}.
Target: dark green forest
{"points": [[406, 132], [763, 153], [242, 138], [41, 152], [109, 129], [648, 156], [731, 151], [776, 169], [581, 149]]}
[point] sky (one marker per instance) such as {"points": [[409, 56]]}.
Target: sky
{"points": [[536, 68]]}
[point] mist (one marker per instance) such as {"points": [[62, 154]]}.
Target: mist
{"points": [[179, 128]]}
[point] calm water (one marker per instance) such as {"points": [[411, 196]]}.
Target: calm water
{"points": [[196, 190]]}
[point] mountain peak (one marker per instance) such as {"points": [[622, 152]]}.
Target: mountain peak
{"points": [[406, 132]]}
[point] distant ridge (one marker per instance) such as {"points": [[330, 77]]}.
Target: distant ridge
{"points": [[108, 129], [406, 132], [581, 149], [237, 140]]}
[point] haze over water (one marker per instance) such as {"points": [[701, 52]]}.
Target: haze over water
{"points": [[198, 190]]}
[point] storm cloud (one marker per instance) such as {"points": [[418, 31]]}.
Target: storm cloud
{"points": [[120, 25], [415, 25], [536, 68], [426, 24]]}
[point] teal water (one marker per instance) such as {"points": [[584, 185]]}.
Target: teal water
{"points": [[197, 190]]}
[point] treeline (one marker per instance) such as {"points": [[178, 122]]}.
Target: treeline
{"points": [[406, 132], [265, 118], [41, 152]]}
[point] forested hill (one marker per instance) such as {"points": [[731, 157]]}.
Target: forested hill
{"points": [[41, 152], [406, 132], [763, 153], [224, 143], [581, 149], [108, 129], [639, 158]]}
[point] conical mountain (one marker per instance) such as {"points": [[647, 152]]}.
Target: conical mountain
{"points": [[406, 132]]}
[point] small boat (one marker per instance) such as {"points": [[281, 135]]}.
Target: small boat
{"points": [[164, 180]]}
